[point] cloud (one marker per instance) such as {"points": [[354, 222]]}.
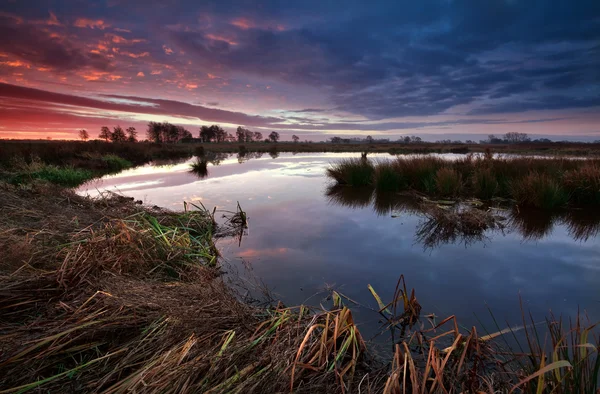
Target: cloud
{"points": [[147, 106], [33, 45], [91, 23]]}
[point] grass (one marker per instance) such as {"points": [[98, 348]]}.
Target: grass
{"points": [[544, 183], [116, 163], [110, 296], [352, 172]]}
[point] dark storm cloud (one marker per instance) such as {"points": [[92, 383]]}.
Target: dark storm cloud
{"points": [[409, 60]]}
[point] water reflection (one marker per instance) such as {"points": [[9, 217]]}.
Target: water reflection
{"points": [[304, 236], [467, 223]]}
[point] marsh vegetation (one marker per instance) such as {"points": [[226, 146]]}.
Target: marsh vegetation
{"points": [[106, 294], [544, 183]]}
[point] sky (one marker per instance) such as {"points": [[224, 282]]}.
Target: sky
{"points": [[458, 69]]}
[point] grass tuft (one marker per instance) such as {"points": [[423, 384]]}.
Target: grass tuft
{"points": [[539, 191], [352, 172]]}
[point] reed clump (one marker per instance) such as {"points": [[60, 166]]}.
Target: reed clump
{"points": [[352, 172], [545, 183]]}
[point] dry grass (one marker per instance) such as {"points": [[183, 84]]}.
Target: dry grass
{"points": [[113, 297]]}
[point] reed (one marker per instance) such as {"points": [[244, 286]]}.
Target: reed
{"points": [[352, 172], [543, 183]]}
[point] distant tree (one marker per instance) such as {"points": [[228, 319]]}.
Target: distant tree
{"points": [[369, 139], [118, 135], [415, 139], [274, 136], [105, 134], [131, 134], [206, 134], [220, 133], [295, 138], [515, 138], [248, 135], [470, 142], [183, 134], [154, 132], [83, 134], [406, 140], [258, 136], [212, 133], [335, 140], [492, 139], [240, 133]]}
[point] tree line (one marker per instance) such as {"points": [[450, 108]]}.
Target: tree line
{"points": [[165, 132]]}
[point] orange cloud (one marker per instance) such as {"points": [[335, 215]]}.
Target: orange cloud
{"points": [[221, 38], [136, 55], [15, 63], [167, 50], [122, 40], [156, 72], [191, 86], [211, 76], [141, 74], [243, 23], [92, 24], [94, 75], [122, 30]]}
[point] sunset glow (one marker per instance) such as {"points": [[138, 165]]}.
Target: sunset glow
{"points": [[441, 69]]}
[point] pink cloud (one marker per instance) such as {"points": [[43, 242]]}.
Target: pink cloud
{"points": [[91, 23]]}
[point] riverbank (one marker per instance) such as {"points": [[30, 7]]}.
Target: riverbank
{"points": [[108, 295]]}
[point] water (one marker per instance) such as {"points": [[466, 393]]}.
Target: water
{"points": [[305, 238]]}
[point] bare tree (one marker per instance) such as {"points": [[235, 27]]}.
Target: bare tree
{"points": [[515, 138], [258, 137], [295, 138], [83, 134], [105, 134]]}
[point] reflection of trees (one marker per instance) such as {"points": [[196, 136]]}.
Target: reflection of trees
{"points": [[214, 158], [244, 155], [464, 223]]}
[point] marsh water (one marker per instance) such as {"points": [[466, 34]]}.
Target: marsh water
{"points": [[306, 238]]}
